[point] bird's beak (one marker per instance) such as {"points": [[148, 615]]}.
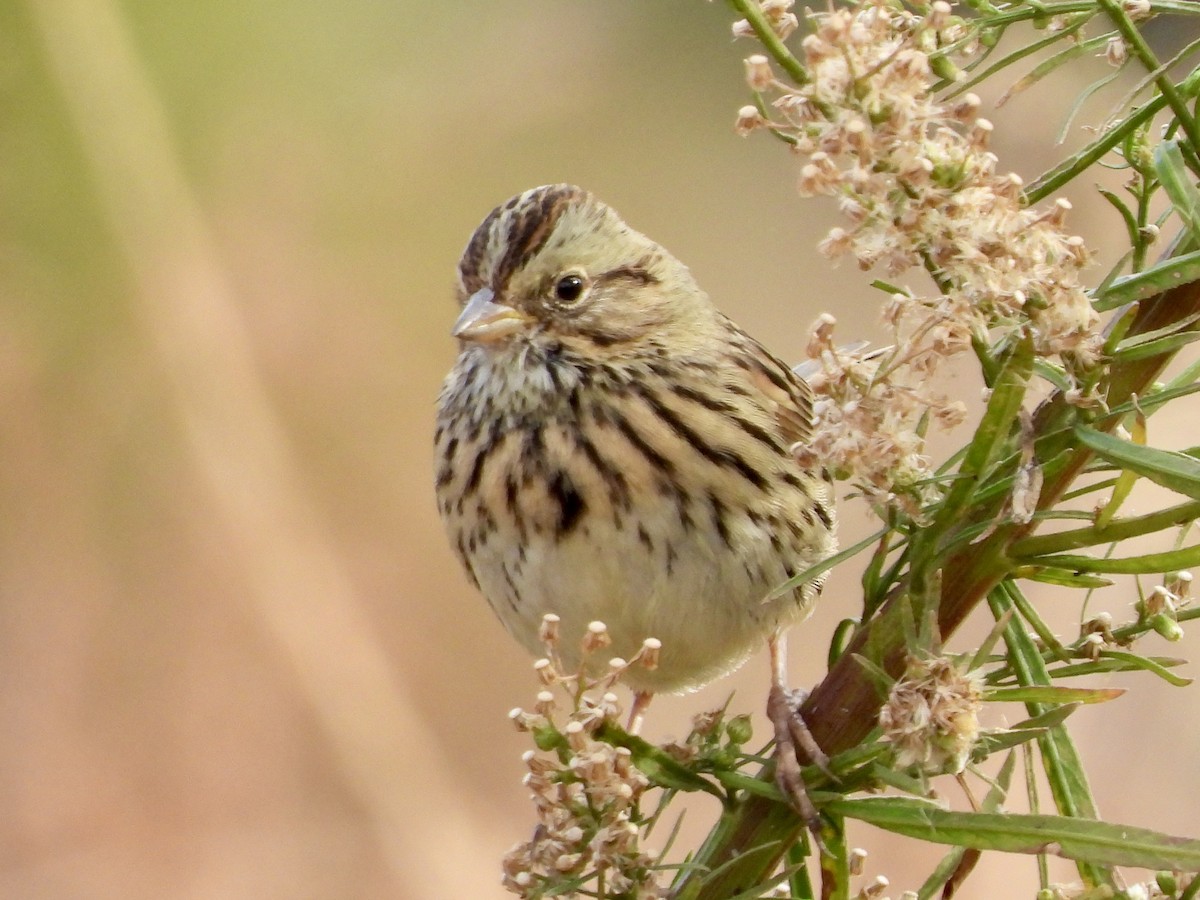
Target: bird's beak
{"points": [[484, 320]]}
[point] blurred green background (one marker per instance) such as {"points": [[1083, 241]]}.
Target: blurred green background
{"points": [[236, 656]]}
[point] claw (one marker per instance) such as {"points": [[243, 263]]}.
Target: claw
{"points": [[791, 732], [788, 775]]}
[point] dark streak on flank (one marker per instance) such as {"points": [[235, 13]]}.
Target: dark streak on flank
{"points": [[644, 537], [513, 594], [755, 431], [718, 519], [613, 478], [719, 456], [531, 454], [631, 434], [571, 504], [824, 516]]}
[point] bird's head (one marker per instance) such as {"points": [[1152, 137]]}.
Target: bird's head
{"points": [[556, 265]]}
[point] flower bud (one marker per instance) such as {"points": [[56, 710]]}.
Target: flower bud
{"points": [[758, 72]]}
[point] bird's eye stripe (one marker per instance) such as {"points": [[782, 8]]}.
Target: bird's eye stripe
{"points": [[632, 273]]}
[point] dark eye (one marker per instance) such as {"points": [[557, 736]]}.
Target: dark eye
{"points": [[569, 288]]}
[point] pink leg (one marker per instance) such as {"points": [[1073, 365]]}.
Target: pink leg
{"points": [[790, 733], [637, 712]]}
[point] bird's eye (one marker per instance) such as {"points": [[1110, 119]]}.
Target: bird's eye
{"points": [[569, 288]]}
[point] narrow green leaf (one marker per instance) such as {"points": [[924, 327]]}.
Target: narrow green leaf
{"points": [[953, 867], [1132, 231], [1040, 71], [1147, 564], [1062, 577], [1158, 278], [1177, 471], [1156, 347], [1029, 613], [1146, 337], [1035, 727], [656, 764], [992, 434], [983, 651], [1125, 662], [1022, 51], [1050, 181], [1118, 530], [1081, 99], [1064, 770], [1184, 380], [1005, 740], [1120, 325], [1052, 373], [1049, 719], [1051, 694], [797, 871], [1083, 840], [1149, 664], [1126, 480], [814, 572], [1176, 180], [1157, 397]]}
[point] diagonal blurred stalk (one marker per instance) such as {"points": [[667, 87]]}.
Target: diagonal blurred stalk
{"points": [[295, 579], [843, 708]]}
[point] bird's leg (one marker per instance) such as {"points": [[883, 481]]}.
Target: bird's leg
{"points": [[637, 712], [783, 708]]}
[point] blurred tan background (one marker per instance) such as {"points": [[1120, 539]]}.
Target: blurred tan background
{"points": [[236, 657]]}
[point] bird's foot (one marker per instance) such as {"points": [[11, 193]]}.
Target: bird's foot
{"points": [[792, 737]]}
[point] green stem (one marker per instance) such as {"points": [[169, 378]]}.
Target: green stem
{"points": [[1142, 51], [753, 14], [1051, 181]]}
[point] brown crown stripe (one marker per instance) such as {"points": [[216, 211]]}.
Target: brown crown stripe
{"points": [[477, 247], [524, 227]]}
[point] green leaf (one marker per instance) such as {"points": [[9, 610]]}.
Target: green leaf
{"points": [[1122, 661], [1051, 694], [1177, 471], [1024, 731], [1118, 530], [957, 864], [1050, 181], [1149, 664], [1156, 347], [1083, 840], [1023, 50], [1176, 180], [1147, 564], [655, 763], [1044, 68], [1064, 769], [991, 436], [1061, 577], [813, 572], [1149, 282], [1126, 480]]}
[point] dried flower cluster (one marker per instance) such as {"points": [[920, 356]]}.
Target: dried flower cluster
{"points": [[932, 716], [586, 792], [915, 181], [1164, 886], [1159, 609]]}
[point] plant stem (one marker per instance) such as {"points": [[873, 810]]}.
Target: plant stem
{"points": [[753, 14]]}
